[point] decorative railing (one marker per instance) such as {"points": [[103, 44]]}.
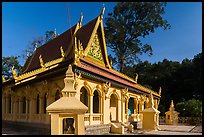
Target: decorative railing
{"points": [[97, 117], [87, 117], [135, 117]]}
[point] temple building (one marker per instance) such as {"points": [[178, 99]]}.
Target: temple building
{"points": [[110, 96]]}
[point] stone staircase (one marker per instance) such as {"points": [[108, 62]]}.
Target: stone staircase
{"points": [[121, 128]]}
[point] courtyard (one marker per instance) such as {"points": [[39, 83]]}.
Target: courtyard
{"points": [[179, 129]]}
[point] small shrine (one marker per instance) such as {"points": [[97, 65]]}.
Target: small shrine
{"points": [[172, 115], [67, 119], [150, 116]]}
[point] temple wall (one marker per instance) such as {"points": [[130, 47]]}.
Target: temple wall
{"points": [[28, 103]]}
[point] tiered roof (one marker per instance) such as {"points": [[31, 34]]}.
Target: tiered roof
{"points": [[84, 47]]}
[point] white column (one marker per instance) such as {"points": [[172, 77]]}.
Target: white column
{"points": [[91, 108]]}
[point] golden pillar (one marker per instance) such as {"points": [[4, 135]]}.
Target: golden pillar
{"points": [[91, 108], [119, 110]]}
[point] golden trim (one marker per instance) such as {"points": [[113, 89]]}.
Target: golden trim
{"points": [[104, 45], [92, 59], [136, 77], [47, 65], [41, 61], [62, 51], [92, 36]]}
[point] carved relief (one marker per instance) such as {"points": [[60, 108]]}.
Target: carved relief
{"points": [[62, 52], [76, 79], [41, 61], [95, 50], [105, 87]]}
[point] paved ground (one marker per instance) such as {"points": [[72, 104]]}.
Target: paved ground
{"points": [[165, 130]]}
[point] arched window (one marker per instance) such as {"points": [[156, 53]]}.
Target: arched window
{"points": [[45, 103], [37, 104], [96, 102], [84, 96], [57, 95], [24, 105], [113, 108]]}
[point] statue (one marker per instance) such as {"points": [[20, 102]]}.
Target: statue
{"points": [[76, 80], [69, 128]]}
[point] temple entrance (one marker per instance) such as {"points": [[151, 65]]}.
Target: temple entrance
{"points": [[113, 108]]}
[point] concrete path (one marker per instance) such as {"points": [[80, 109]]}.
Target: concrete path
{"points": [[165, 130], [169, 130]]}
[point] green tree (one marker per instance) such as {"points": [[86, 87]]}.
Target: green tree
{"points": [[190, 108], [129, 22], [8, 63]]}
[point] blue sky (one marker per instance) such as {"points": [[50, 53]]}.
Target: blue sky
{"points": [[24, 21]]}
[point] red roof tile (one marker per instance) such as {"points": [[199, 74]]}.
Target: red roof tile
{"points": [[50, 50]]}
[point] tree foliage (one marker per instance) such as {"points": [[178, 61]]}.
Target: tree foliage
{"points": [[179, 81], [8, 63], [189, 108], [129, 22]]}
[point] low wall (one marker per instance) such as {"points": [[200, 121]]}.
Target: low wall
{"points": [[185, 120], [97, 129]]}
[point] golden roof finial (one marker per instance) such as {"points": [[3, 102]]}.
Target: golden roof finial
{"points": [[55, 33], [151, 100], [172, 104], [171, 108], [36, 45], [81, 18], [3, 79], [136, 77], [160, 91], [14, 73], [102, 12], [41, 61], [62, 52]]}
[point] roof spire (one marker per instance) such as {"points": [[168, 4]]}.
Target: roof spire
{"points": [[102, 12], [55, 33], [151, 100], [81, 18], [36, 45]]}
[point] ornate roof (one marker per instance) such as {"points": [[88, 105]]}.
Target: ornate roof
{"points": [[84, 47]]}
